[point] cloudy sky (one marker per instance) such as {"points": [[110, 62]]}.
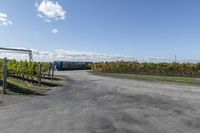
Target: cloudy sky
{"points": [[102, 29]]}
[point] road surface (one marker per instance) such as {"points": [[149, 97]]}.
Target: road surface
{"points": [[94, 104]]}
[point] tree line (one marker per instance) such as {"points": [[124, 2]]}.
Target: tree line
{"points": [[165, 69]]}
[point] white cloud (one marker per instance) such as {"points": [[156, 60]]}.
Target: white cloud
{"points": [[65, 55], [54, 31], [4, 20], [49, 10]]}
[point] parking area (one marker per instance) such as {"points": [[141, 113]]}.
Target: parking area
{"points": [[95, 104]]}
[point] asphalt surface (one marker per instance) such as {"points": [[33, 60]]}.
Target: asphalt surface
{"points": [[94, 104]]}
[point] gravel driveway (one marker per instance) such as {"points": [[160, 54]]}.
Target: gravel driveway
{"points": [[94, 104]]}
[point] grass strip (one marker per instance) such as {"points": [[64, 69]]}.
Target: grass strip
{"points": [[186, 80], [24, 87], [21, 87]]}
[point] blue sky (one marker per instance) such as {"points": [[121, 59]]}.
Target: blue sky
{"points": [[137, 28]]}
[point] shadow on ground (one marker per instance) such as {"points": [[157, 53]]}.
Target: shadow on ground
{"points": [[20, 89]]}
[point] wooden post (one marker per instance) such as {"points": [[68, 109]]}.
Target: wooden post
{"points": [[5, 77], [52, 74], [49, 72], [40, 75]]}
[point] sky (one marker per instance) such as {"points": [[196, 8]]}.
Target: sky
{"points": [[107, 28]]}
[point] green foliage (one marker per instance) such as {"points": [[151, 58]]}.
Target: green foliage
{"points": [[25, 69], [1, 68], [166, 69]]}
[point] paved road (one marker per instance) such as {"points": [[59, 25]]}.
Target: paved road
{"points": [[94, 104]]}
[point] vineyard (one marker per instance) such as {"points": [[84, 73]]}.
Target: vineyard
{"points": [[26, 71], [163, 69]]}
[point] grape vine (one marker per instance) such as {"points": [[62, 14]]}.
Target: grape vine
{"points": [[26, 70], [165, 69]]}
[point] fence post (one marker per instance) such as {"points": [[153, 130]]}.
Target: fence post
{"points": [[52, 74], [40, 75], [5, 76]]}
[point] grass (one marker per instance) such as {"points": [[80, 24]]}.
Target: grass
{"points": [[186, 80], [31, 89], [20, 87], [45, 81], [58, 81]]}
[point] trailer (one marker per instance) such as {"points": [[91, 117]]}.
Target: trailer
{"points": [[69, 65]]}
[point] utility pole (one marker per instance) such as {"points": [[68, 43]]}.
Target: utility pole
{"points": [[175, 59]]}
